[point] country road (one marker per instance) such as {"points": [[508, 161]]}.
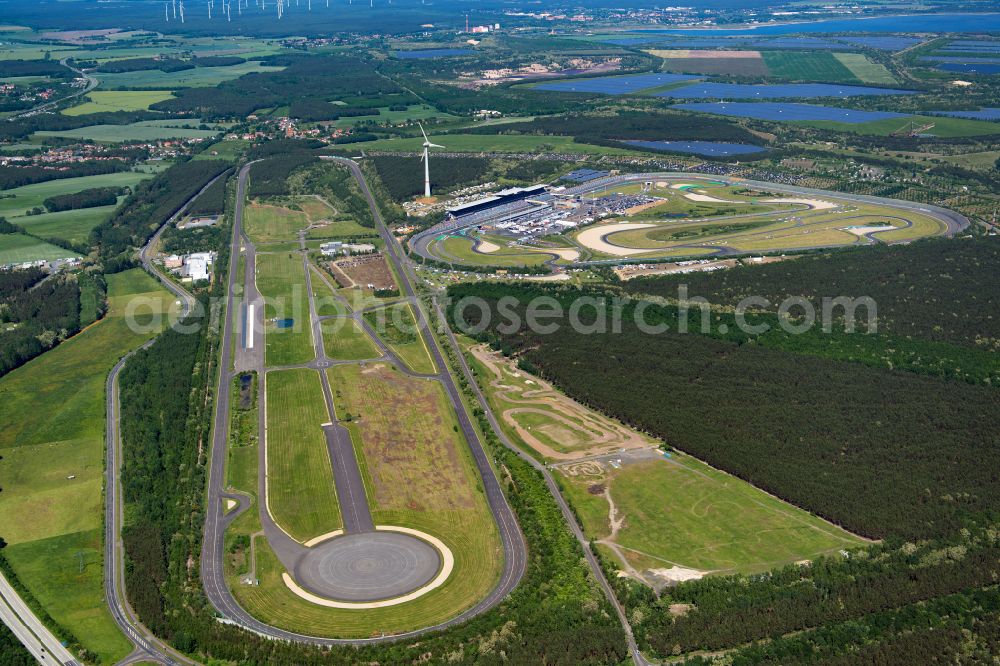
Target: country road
{"points": [[91, 84], [147, 646]]}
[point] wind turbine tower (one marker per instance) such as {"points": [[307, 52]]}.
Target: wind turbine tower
{"points": [[427, 162]]}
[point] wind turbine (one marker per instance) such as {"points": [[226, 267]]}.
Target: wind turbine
{"points": [[426, 160]]}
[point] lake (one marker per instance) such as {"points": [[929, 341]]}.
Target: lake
{"points": [[705, 148], [985, 22], [777, 91], [981, 114], [788, 112], [616, 85]]}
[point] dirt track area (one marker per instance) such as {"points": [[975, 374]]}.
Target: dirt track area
{"points": [[365, 270], [580, 432]]}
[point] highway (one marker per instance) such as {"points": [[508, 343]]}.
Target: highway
{"points": [[39, 641], [91, 84]]}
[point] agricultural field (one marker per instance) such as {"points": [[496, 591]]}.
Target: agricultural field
{"points": [[281, 281], [396, 326], [52, 463], [808, 66], [663, 516], [146, 130], [731, 63], [19, 248], [300, 491], [19, 200], [865, 70], [71, 225], [101, 101], [386, 115], [199, 77]]}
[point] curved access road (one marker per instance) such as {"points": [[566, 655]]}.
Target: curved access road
{"points": [[91, 84], [147, 646]]}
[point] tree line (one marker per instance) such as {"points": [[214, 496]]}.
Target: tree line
{"points": [[36, 314], [305, 77], [937, 290], [89, 198], [151, 204]]}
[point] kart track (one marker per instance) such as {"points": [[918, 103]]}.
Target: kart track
{"points": [[683, 215]]}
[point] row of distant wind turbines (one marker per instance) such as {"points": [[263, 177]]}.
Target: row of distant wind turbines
{"points": [[227, 7]]}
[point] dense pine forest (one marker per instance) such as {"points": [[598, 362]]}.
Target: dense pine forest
{"points": [[938, 290], [36, 314], [96, 196], [890, 454]]}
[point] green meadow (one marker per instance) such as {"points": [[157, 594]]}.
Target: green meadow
{"points": [[52, 447]]}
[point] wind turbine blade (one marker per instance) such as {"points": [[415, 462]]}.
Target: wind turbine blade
{"points": [[423, 132], [434, 145]]}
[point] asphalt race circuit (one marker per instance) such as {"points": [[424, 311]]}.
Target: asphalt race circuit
{"points": [[420, 243]]}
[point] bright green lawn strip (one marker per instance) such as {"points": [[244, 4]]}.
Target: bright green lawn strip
{"points": [[344, 340], [327, 303], [300, 489], [118, 100], [52, 411], [281, 280], [27, 197], [18, 248]]}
